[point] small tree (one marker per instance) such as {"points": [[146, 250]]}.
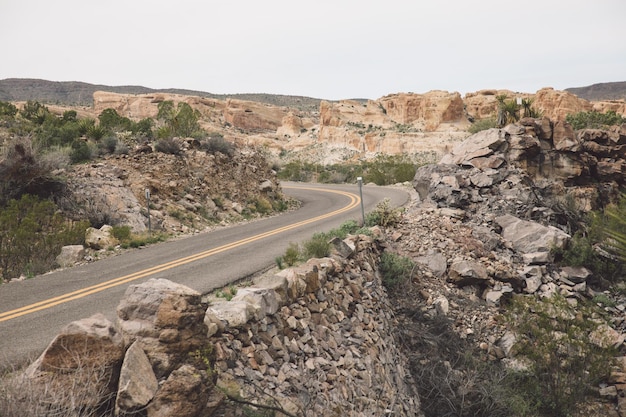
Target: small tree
{"points": [[180, 121]]}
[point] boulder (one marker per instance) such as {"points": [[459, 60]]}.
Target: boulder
{"points": [[529, 237], [100, 238], [166, 318], [80, 367], [480, 145], [184, 393], [467, 272], [70, 255], [138, 384]]}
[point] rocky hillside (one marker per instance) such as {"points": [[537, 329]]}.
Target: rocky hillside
{"points": [[601, 91], [188, 192], [80, 94]]}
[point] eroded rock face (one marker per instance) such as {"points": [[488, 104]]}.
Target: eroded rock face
{"points": [[546, 151]]}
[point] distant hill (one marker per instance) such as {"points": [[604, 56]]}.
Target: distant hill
{"points": [[601, 91], [79, 93]]}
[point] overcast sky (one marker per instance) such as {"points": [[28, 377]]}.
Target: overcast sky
{"points": [[331, 49]]}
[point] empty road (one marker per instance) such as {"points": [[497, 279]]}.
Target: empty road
{"points": [[33, 311]]}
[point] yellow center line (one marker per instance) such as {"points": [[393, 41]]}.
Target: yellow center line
{"points": [[83, 292]]}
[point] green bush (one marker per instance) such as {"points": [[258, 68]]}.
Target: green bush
{"points": [[81, 152], [384, 215], [482, 124], [317, 247], [292, 254], [563, 364], [7, 109], [395, 269], [594, 119], [180, 120], [122, 233], [598, 243], [32, 232]]}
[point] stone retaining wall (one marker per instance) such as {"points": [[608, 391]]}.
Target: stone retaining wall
{"points": [[318, 338]]}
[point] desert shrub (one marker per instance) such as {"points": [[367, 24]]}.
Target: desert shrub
{"points": [[262, 205], [614, 229], [35, 112], [297, 171], [168, 145], [482, 124], [108, 144], [599, 242], [84, 391], [563, 364], [111, 121], [32, 232], [7, 109], [317, 247], [594, 119], [292, 254], [216, 144], [143, 239], [143, 128], [96, 132], [81, 152], [122, 233], [395, 269], [389, 169], [24, 169], [180, 120], [384, 215]]}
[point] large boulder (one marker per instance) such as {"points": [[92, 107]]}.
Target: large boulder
{"points": [[166, 319], [80, 367], [100, 238], [138, 384], [70, 255], [531, 237]]}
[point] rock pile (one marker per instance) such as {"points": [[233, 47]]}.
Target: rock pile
{"points": [[484, 221]]}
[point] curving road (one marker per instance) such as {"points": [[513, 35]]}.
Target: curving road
{"points": [[32, 312]]}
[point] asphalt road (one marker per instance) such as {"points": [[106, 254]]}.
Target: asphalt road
{"points": [[33, 311]]}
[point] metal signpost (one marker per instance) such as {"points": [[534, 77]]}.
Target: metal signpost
{"points": [[359, 180], [148, 200]]}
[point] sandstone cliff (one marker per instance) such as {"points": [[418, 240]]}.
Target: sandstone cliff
{"points": [[394, 124]]}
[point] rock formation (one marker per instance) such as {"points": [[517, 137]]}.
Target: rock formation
{"points": [[393, 124]]}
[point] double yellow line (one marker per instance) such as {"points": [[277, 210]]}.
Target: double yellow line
{"points": [[42, 305]]}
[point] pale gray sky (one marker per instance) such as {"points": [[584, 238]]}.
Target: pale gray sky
{"points": [[331, 49]]}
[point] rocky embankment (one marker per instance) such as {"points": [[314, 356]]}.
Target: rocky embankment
{"points": [[312, 340], [188, 191]]}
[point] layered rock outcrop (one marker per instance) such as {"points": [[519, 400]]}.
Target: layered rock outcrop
{"points": [[397, 123], [245, 115]]}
